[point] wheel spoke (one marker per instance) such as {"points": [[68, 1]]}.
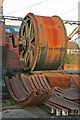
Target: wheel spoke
{"points": [[27, 30], [21, 59], [32, 47], [27, 53], [26, 57], [30, 56], [30, 29], [21, 56], [32, 37]]}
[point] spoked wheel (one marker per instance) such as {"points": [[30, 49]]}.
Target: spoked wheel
{"points": [[27, 48]]}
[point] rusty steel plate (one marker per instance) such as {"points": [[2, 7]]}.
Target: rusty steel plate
{"points": [[76, 81], [33, 90], [68, 94], [24, 91], [58, 80]]}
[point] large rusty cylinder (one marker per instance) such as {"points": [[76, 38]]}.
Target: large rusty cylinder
{"points": [[43, 42]]}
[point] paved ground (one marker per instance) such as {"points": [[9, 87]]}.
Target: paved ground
{"points": [[26, 113], [31, 113]]}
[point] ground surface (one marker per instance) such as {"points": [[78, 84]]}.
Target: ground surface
{"points": [[30, 113]]}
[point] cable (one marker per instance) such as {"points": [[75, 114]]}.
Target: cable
{"points": [[69, 11], [74, 39], [65, 21], [71, 22], [26, 7]]}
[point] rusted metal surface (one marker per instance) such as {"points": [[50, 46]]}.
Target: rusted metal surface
{"points": [[11, 107], [71, 95], [15, 107], [25, 92], [73, 108], [46, 71], [64, 111], [51, 109], [44, 42], [42, 46], [35, 83], [58, 79], [32, 90], [66, 106], [76, 81], [61, 106]]}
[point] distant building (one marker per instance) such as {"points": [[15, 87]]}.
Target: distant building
{"points": [[11, 29]]}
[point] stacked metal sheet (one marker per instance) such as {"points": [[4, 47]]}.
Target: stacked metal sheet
{"points": [[34, 90]]}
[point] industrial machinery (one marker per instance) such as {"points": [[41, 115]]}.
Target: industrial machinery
{"points": [[43, 43], [42, 49]]}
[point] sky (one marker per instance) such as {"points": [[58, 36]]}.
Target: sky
{"points": [[66, 9]]}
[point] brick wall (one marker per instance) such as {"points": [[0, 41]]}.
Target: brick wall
{"points": [[12, 53], [12, 59]]}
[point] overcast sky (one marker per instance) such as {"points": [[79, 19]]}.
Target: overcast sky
{"points": [[66, 9]]}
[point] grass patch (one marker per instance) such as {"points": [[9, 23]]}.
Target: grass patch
{"points": [[10, 103]]}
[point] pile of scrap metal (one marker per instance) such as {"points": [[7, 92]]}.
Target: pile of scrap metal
{"points": [[34, 90], [42, 49]]}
